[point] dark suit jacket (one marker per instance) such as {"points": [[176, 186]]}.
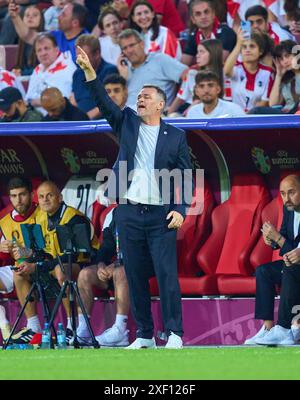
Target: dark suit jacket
{"points": [[171, 148], [287, 231]]}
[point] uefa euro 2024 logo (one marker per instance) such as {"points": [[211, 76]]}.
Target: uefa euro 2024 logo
{"points": [[261, 160], [70, 159]]}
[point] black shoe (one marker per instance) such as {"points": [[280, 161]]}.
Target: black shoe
{"points": [[69, 337], [23, 336]]}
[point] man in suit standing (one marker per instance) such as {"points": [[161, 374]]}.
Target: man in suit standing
{"points": [[285, 272], [146, 219]]}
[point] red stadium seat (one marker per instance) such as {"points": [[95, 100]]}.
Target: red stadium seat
{"points": [[8, 56], [196, 229], [193, 233], [235, 231]]}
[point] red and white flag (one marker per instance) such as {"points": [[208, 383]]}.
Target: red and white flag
{"points": [[166, 42], [239, 7]]}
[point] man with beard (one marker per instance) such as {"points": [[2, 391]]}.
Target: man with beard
{"points": [[207, 90], [24, 212], [284, 272], [14, 108]]}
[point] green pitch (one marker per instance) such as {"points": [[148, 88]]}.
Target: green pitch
{"points": [[188, 363]]}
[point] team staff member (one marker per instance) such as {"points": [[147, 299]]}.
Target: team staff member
{"points": [[146, 142], [53, 212], [24, 212]]}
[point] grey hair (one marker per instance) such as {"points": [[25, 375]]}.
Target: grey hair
{"points": [[130, 32]]}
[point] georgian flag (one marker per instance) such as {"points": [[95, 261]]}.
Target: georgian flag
{"points": [[239, 7], [166, 42]]}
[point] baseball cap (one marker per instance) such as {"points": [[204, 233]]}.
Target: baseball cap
{"points": [[8, 96]]}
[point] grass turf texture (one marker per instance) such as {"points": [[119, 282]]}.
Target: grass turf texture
{"points": [[188, 363]]}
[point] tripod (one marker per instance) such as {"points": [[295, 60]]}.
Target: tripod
{"points": [[34, 243], [72, 240]]}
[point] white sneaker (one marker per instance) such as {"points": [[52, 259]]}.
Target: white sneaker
{"points": [[296, 333], [259, 335], [277, 335], [5, 331], [113, 337], [141, 343], [174, 342]]}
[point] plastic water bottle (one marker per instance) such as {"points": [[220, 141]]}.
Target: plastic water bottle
{"points": [[46, 337], [61, 337], [21, 251]]}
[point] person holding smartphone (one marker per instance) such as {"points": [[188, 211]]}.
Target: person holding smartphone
{"points": [[251, 81]]}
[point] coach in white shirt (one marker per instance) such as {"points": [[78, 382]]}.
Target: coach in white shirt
{"points": [[208, 89]]}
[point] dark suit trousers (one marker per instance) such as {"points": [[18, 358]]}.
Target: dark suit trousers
{"points": [[267, 277], [149, 246]]}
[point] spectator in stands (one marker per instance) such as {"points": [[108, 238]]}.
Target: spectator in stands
{"points": [[8, 34], [286, 88], [34, 21], [280, 10], [56, 69], [71, 22], [258, 17], [284, 273], [208, 88], [110, 24], [209, 57], [14, 108], [156, 38], [293, 20], [9, 79], [52, 13], [165, 10], [93, 7], [24, 211], [251, 81], [91, 45], [59, 107], [155, 68], [205, 25], [106, 274], [116, 88]]}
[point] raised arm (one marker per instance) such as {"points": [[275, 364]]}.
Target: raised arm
{"points": [[109, 109], [24, 33], [233, 56]]}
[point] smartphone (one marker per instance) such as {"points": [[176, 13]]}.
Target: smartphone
{"points": [[124, 60], [246, 28]]}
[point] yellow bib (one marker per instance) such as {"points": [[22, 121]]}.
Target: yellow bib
{"points": [[12, 229], [51, 241]]}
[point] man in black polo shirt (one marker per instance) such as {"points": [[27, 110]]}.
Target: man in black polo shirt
{"points": [[206, 26]]}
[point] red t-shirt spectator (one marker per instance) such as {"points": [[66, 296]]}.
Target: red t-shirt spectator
{"points": [[170, 16]]}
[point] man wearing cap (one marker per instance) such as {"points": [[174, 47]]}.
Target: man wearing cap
{"points": [[14, 109]]}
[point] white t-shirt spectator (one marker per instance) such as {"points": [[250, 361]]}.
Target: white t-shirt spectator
{"points": [[110, 51], [224, 109], [158, 69], [59, 74], [7, 79], [247, 89], [279, 34]]}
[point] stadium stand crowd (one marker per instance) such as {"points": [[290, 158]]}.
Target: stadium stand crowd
{"points": [[214, 59], [254, 41]]}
